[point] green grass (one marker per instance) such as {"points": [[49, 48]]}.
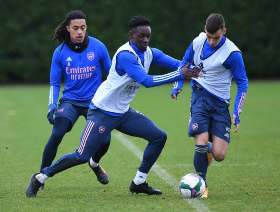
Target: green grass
{"points": [[248, 180]]}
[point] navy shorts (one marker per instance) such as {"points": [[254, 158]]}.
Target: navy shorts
{"points": [[71, 111], [209, 114]]}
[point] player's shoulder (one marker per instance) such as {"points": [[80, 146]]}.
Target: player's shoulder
{"points": [[231, 46], [200, 37], [59, 49], [95, 41]]}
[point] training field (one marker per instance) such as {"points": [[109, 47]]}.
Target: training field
{"points": [[248, 179]]}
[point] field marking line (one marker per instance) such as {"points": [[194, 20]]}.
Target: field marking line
{"points": [[162, 173]]}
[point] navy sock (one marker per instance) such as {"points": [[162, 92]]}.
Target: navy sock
{"points": [[200, 160], [210, 148]]}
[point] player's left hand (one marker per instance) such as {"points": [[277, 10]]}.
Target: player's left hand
{"points": [[175, 92], [177, 88], [51, 112], [235, 121]]}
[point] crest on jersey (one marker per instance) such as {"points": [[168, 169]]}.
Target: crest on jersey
{"points": [[90, 56]]}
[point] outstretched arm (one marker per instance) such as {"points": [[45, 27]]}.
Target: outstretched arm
{"points": [[105, 60], [185, 64], [131, 66]]}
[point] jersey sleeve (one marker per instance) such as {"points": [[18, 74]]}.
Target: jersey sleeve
{"points": [[188, 57], [128, 62], [105, 60], [161, 59], [55, 79], [236, 65]]}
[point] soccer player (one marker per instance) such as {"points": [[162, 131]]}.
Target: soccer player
{"points": [[110, 107], [79, 59], [219, 60]]}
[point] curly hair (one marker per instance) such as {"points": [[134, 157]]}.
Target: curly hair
{"points": [[214, 22], [138, 21], [60, 32]]}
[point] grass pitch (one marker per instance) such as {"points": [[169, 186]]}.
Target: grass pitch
{"points": [[248, 179]]}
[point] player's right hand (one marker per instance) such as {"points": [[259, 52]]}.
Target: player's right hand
{"points": [[51, 113], [189, 73], [235, 121]]}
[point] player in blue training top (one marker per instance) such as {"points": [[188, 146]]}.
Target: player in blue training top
{"points": [[110, 107], [220, 61], [79, 59]]}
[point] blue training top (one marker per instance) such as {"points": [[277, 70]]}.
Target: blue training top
{"points": [[82, 72]]}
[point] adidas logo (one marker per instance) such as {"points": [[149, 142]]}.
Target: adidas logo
{"points": [[69, 59]]}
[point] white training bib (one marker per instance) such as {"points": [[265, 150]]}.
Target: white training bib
{"points": [[116, 93]]}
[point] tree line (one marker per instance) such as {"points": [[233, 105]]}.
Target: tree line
{"points": [[27, 28]]}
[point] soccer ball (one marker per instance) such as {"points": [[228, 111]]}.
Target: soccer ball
{"points": [[192, 186]]}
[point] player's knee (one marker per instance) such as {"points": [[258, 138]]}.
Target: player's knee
{"points": [[162, 137], [106, 141], [57, 135], [82, 158], [219, 157]]}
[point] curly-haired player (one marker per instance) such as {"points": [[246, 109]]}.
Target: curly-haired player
{"points": [[79, 60]]}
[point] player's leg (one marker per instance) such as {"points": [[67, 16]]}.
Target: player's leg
{"points": [[219, 148], [93, 163], [198, 128], [220, 130], [91, 140], [65, 119], [60, 128], [200, 159], [138, 125], [103, 149]]}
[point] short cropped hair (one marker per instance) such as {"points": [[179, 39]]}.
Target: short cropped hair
{"points": [[138, 21], [214, 23]]}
